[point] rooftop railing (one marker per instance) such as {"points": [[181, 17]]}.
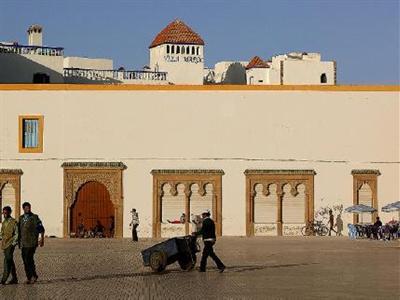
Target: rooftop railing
{"points": [[38, 50], [118, 75]]}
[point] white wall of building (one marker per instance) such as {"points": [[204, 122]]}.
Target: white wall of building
{"points": [[301, 69], [222, 129], [19, 68], [258, 76], [307, 72], [88, 63], [181, 68], [222, 67]]}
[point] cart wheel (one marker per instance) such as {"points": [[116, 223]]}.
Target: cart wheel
{"points": [[187, 262], [158, 261]]}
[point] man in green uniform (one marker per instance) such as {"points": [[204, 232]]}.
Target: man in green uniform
{"points": [[30, 227], [9, 239]]}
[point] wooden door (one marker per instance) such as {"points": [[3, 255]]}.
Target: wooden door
{"points": [[92, 204]]}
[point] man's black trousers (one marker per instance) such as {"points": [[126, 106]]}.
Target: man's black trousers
{"points": [[29, 262], [134, 232], [209, 251]]}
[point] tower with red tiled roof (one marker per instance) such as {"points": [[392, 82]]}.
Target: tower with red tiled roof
{"points": [[179, 51]]}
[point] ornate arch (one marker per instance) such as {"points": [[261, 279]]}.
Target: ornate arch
{"points": [[76, 174], [12, 176], [369, 177], [293, 178], [187, 178]]}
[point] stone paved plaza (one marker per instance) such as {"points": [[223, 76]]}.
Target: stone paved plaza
{"points": [[257, 268]]}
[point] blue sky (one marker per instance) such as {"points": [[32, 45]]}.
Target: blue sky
{"points": [[361, 35]]}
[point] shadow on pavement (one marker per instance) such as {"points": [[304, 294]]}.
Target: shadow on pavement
{"points": [[229, 269]]}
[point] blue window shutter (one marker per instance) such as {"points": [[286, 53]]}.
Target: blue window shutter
{"points": [[35, 133], [25, 123], [31, 133]]}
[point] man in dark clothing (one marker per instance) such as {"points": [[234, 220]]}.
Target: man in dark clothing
{"points": [[9, 239], [331, 223], [134, 224], [29, 229], [208, 233], [99, 229], [375, 227]]}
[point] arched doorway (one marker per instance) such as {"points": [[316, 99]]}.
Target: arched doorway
{"points": [[92, 204], [323, 78]]}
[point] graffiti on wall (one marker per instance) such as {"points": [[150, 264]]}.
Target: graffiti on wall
{"points": [[292, 229], [265, 229]]}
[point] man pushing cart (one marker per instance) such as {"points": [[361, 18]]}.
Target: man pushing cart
{"points": [[183, 249]]}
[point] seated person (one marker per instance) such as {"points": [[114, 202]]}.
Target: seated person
{"points": [[99, 229], [181, 220], [393, 226]]}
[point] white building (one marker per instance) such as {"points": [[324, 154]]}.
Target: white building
{"points": [[31, 63], [176, 57], [75, 62], [264, 159], [35, 63], [230, 72], [179, 51], [291, 69]]}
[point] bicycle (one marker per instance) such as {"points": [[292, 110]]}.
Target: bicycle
{"points": [[314, 228]]}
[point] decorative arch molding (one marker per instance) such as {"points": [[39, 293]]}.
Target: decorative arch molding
{"points": [[76, 174], [365, 176], [12, 176], [188, 178], [280, 178]]}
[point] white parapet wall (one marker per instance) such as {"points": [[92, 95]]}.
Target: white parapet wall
{"points": [[331, 131], [88, 63]]}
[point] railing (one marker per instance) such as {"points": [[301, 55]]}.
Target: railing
{"points": [[21, 49], [119, 75]]}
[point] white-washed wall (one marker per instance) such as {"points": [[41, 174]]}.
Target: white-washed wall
{"points": [[229, 130]]}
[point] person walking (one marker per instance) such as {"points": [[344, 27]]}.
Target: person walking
{"points": [[331, 223], [29, 229], [134, 224], [9, 239], [207, 231], [339, 225]]}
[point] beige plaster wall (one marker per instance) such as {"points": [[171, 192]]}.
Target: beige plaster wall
{"points": [[330, 132]]}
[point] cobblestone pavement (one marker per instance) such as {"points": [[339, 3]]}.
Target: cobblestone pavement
{"points": [[257, 268]]}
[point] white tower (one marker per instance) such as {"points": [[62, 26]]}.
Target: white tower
{"points": [[179, 51], [35, 35]]}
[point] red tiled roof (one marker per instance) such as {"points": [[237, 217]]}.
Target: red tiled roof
{"points": [[257, 62], [177, 32]]}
